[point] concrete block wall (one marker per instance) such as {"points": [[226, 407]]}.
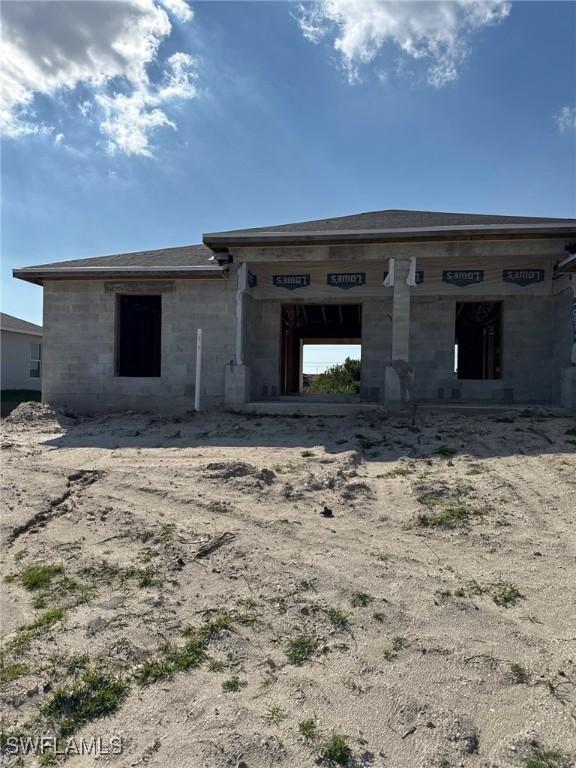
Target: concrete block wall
{"points": [[79, 346], [531, 354], [376, 347], [263, 324]]}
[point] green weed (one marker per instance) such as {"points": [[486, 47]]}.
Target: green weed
{"points": [[335, 750], [506, 594], [233, 684], [95, 695], [360, 600], [300, 648]]}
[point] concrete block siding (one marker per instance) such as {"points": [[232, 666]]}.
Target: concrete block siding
{"points": [[535, 348], [79, 346]]}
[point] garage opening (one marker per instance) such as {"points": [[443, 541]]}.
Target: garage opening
{"points": [[138, 335], [478, 341], [316, 338]]}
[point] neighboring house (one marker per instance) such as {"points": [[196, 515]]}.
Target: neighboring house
{"points": [[21, 370], [447, 307]]}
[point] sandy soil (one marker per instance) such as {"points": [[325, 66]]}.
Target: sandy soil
{"points": [[434, 611]]}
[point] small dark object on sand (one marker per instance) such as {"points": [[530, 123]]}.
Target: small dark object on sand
{"points": [[327, 512]]}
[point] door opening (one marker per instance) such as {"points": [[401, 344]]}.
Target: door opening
{"points": [[313, 334], [478, 340], [331, 368]]}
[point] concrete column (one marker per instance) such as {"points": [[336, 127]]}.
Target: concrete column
{"points": [[398, 375], [240, 319], [237, 373], [401, 312]]}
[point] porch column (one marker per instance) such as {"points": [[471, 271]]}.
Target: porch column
{"points": [[568, 375], [240, 313], [399, 375], [237, 373]]}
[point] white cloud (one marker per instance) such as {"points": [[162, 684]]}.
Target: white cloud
{"points": [[566, 119], [50, 47], [179, 8], [437, 32]]}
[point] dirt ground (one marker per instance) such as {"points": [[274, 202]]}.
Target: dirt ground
{"points": [[224, 591]]}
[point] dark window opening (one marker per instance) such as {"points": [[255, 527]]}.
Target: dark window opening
{"points": [[139, 322], [304, 325], [478, 343]]}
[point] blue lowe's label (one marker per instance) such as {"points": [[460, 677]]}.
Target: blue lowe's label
{"points": [[291, 282], [346, 280], [523, 277], [463, 277]]}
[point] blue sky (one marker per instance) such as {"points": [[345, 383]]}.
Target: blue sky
{"points": [[270, 123]]}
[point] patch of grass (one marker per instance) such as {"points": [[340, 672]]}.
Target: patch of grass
{"points": [[379, 617], [520, 674], [446, 451], [144, 577], [274, 714], [308, 730], [506, 594], [153, 670], [284, 469], [167, 532], [335, 750], [95, 695], [445, 517], [338, 618], [300, 648], [41, 624], [192, 653], [20, 555], [397, 644], [307, 454], [215, 665], [12, 670], [547, 758], [360, 600], [475, 471], [175, 659], [39, 576], [233, 684]]}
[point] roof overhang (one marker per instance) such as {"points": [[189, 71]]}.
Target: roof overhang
{"points": [[20, 330], [221, 240], [38, 275]]}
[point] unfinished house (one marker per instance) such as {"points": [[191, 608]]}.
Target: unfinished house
{"points": [[445, 308]]}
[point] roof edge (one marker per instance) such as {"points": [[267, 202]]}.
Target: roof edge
{"points": [[399, 234], [21, 330], [37, 275]]}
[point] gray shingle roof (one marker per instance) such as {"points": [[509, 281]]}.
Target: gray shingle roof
{"points": [[399, 219], [11, 323], [183, 256], [185, 261]]}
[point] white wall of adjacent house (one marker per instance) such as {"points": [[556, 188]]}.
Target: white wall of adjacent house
{"points": [[21, 361]]}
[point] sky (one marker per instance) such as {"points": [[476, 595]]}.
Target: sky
{"points": [[142, 124]]}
